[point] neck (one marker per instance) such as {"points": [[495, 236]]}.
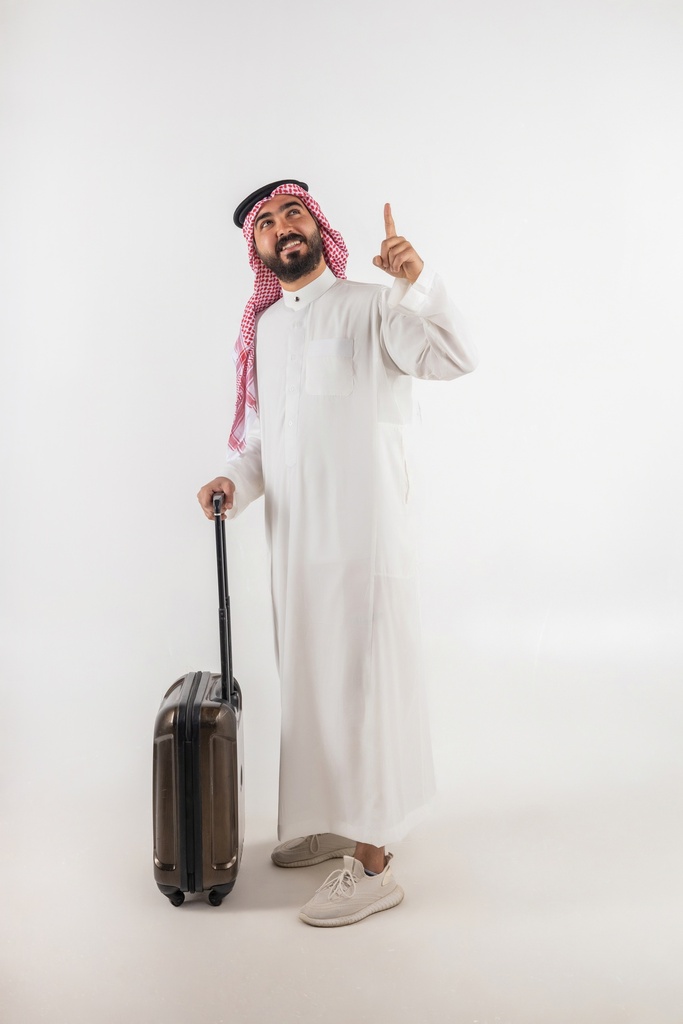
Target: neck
{"points": [[301, 282]]}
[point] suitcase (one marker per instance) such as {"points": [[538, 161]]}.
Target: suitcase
{"points": [[198, 774]]}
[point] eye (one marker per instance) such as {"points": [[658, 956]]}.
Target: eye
{"points": [[264, 223]]}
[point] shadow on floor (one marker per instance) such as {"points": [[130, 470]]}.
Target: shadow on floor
{"points": [[261, 885]]}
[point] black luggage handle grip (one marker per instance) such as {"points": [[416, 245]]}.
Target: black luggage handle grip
{"points": [[225, 631]]}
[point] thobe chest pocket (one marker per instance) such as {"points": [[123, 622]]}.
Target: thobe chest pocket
{"points": [[329, 366]]}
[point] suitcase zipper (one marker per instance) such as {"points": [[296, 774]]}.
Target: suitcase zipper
{"points": [[192, 810]]}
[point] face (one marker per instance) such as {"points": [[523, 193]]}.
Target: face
{"points": [[287, 238]]}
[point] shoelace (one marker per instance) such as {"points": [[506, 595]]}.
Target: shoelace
{"points": [[340, 883]]}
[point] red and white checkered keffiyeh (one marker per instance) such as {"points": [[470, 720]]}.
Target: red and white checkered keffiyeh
{"points": [[267, 290]]}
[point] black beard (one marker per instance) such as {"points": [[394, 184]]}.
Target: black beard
{"points": [[296, 265]]}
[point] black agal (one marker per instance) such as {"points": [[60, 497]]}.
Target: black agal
{"points": [[242, 211]]}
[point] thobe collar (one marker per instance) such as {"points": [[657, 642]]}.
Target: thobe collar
{"points": [[310, 292]]}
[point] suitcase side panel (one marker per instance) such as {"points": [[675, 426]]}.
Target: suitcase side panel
{"points": [[165, 788], [169, 785]]}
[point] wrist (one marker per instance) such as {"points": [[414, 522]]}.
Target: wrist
{"points": [[414, 272]]}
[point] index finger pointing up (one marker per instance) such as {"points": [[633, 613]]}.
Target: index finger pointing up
{"points": [[389, 225]]}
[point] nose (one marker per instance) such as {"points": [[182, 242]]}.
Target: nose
{"points": [[281, 227]]}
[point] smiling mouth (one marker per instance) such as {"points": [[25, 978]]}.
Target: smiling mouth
{"points": [[291, 245]]}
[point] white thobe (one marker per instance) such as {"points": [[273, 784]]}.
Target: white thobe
{"points": [[334, 363]]}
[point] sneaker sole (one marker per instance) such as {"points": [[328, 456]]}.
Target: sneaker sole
{"points": [[389, 901], [335, 855]]}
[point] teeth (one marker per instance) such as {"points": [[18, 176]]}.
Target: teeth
{"points": [[289, 245]]}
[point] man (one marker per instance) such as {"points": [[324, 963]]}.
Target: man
{"points": [[322, 437]]}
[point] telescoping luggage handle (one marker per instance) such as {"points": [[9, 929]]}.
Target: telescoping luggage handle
{"points": [[227, 680]]}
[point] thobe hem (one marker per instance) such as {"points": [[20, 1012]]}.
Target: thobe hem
{"points": [[360, 833]]}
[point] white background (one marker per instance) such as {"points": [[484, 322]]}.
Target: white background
{"points": [[532, 153]]}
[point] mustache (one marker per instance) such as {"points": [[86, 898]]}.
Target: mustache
{"points": [[285, 241]]}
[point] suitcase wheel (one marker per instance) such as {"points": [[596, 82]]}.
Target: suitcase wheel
{"points": [[177, 898], [215, 898]]}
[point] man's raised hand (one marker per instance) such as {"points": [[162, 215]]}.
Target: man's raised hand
{"points": [[397, 256]]}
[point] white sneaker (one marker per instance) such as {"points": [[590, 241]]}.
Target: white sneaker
{"points": [[301, 853], [349, 895]]}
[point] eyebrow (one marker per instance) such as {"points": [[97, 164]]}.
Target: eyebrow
{"points": [[292, 202]]}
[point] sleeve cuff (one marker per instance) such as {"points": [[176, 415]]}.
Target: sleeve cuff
{"points": [[412, 297]]}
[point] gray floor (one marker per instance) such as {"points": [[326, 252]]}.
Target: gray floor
{"points": [[545, 888]]}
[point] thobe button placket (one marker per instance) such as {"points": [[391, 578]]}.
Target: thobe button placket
{"points": [[295, 354]]}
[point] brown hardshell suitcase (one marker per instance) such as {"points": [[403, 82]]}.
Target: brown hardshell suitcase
{"points": [[198, 775]]}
